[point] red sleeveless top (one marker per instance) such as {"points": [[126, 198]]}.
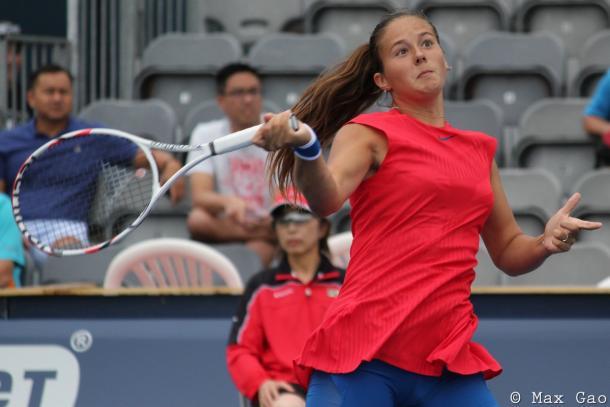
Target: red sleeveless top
{"points": [[416, 226]]}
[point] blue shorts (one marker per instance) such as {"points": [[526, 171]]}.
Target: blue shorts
{"points": [[379, 384]]}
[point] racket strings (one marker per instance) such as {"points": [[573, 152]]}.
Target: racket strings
{"points": [[71, 194]]}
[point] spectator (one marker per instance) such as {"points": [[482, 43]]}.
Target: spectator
{"points": [[230, 193], [50, 96], [281, 307], [596, 120], [12, 261]]}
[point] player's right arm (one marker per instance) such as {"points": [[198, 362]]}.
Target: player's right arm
{"points": [[3, 186], [356, 153]]}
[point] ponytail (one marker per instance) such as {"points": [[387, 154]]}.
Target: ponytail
{"points": [[328, 103]]}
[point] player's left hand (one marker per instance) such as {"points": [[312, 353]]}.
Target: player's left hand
{"points": [[561, 230]]}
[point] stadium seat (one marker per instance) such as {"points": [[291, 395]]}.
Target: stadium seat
{"points": [[593, 63], [152, 118], [251, 20], [339, 246], [464, 20], [352, 20], [481, 115], [486, 273], [180, 68], [551, 137], [586, 264], [341, 221], [594, 187], [573, 21], [512, 70], [279, 59], [90, 268], [168, 262], [534, 195], [208, 110]]}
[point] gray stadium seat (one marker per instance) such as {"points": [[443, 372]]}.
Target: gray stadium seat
{"points": [[593, 63], [487, 274], [573, 21], [512, 70], [352, 20], [586, 264], [594, 187], [209, 110], [480, 115], [251, 20], [341, 221], [286, 73], [464, 20], [90, 268], [180, 68], [551, 137], [152, 118], [534, 196]]}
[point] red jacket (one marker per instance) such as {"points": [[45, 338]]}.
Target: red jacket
{"points": [[275, 316]]}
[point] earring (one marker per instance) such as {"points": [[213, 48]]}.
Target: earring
{"points": [[449, 67]]}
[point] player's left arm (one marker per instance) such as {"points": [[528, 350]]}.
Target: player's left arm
{"points": [[514, 252]]}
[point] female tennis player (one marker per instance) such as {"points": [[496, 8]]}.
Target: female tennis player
{"points": [[421, 192]]}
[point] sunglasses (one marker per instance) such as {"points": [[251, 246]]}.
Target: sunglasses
{"points": [[297, 218]]}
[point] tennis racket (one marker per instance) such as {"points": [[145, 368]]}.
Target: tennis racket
{"points": [[88, 189]]}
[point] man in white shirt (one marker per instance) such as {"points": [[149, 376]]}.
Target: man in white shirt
{"points": [[230, 192]]}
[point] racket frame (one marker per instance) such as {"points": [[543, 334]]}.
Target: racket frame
{"points": [[225, 144]]}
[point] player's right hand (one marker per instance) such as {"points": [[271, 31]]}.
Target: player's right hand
{"points": [[277, 133]]}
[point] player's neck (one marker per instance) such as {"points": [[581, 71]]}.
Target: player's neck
{"points": [[51, 127], [431, 112], [304, 266]]}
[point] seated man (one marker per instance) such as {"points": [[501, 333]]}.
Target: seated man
{"points": [[281, 307], [12, 261], [596, 120], [50, 96], [230, 192]]}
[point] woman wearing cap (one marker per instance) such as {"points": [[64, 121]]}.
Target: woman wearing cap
{"points": [[421, 193], [281, 307]]}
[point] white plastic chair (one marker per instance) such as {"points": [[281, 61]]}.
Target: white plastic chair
{"points": [[171, 262], [339, 246]]}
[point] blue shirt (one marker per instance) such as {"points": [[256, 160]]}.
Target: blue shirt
{"points": [[600, 103], [63, 186], [11, 247], [18, 143]]}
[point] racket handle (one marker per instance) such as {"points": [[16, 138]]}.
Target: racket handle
{"points": [[234, 141]]}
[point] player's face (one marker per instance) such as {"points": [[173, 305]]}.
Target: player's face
{"points": [[51, 96], [414, 66], [242, 100], [298, 234]]}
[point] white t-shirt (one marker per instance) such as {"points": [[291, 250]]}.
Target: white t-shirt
{"points": [[239, 173]]}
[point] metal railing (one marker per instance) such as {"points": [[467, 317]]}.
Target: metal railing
{"points": [[23, 55], [109, 37], [104, 44]]}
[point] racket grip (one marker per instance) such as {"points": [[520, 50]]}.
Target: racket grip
{"points": [[234, 141]]}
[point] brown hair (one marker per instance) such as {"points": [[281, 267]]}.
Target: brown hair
{"points": [[337, 96]]}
